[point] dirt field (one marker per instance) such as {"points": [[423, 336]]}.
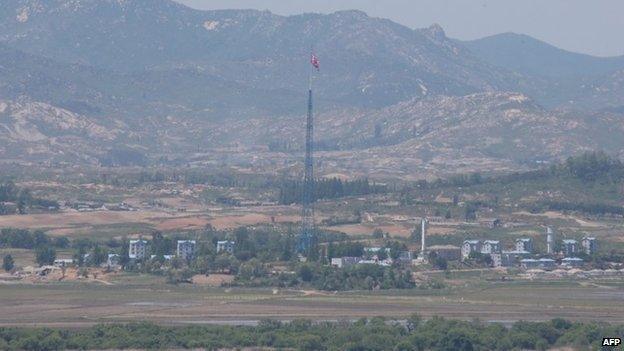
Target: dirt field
{"points": [[81, 304], [368, 228], [395, 230], [71, 222], [72, 219], [214, 280]]}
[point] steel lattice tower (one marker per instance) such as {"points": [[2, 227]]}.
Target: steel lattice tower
{"points": [[307, 235]]}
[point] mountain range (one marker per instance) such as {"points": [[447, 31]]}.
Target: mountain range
{"points": [[143, 75]]}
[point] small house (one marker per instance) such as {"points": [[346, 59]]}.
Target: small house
{"points": [[572, 262]]}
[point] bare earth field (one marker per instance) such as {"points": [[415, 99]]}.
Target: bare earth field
{"points": [[82, 304], [68, 223]]}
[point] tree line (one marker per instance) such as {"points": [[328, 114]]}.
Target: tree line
{"points": [[22, 198], [375, 334], [291, 192]]}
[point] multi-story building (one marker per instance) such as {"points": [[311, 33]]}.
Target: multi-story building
{"points": [[470, 246], [225, 246], [524, 244], [570, 247], [497, 259], [186, 249], [137, 249], [490, 247], [589, 245]]}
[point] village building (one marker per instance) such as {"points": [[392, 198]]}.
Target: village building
{"points": [[512, 258], [470, 246], [63, 262], [113, 260], [497, 259], [226, 246], [342, 262], [570, 247], [572, 262], [186, 249], [373, 252], [542, 263], [524, 244], [405, 257], [137, 249], [490, 247], [384, 263], [589, 245]]}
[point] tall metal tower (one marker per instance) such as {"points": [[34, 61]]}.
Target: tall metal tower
{"points": [[307, 235]]}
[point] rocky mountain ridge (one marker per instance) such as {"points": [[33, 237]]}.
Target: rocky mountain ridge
{"points": [[89, 81]]}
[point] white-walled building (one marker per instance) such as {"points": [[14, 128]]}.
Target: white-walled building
{"points": [[524, 244], [470, 246], [137, 249], [589, 245], [570, 247], [342, 262], [186, 249], [572, 262], [112, 260], [490, 247], [225, 246]]}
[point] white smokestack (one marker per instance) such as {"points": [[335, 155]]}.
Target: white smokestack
{"points": [[423, 234], [549, 240]]}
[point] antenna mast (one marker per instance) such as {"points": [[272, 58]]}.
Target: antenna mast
{"points": [[307, 236]]}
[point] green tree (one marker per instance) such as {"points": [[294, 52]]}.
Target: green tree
{"points": [[378, 233], [99, 255], [471, 212], [413, 321], [45, 255], [8, 263], [416, 234], [305, 273], [79, 256], [124, 254]]}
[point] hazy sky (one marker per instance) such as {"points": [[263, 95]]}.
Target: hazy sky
{"points": [[589, 26]]}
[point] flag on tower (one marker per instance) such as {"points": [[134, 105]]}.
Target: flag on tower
{"points": [[315, 62]]}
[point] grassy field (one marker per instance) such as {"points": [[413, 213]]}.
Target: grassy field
{"points": [[134, 297]]}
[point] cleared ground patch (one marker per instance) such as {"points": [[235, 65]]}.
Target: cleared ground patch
{"points": [[133, 297]]}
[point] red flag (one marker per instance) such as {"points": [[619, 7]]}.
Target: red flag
{"points": [[315, 62]]}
